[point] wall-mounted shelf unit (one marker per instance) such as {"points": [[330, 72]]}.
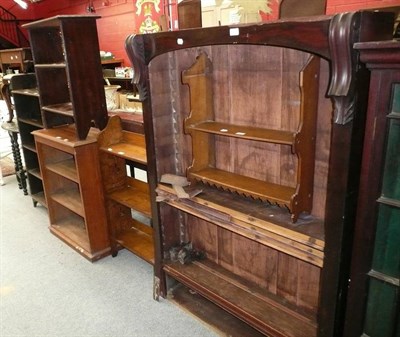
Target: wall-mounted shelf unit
{"points": [[29, 117], [70, 91], [203, 128]]}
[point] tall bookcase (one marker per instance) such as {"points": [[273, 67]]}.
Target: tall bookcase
{"points": [[69, 73], [29, 118], [245, 120], [374, 293]]}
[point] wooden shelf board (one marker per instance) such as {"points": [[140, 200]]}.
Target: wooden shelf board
{"points": [[134, 195], [70, 199], [253, 215], [137, 241], [301, 246], [222, 321], [136, 153], [30, 147], [61, 109], [112, 61], [72, 232], [273, 193], [245, 132], [65, 168], [40, 198], [50, 65], [31, 121], [262, 312], [66, 136], [35, 172], [28, 92], [73, 228]]}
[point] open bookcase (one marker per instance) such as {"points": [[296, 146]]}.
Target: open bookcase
{"points": [[242, 114], [127, 198], [71, 92], [75, 199], [29, 117]]}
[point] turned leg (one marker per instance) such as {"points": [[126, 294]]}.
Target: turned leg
{"points": [[19, 168]]}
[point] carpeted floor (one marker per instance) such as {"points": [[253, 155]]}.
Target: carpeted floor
{"points": [[48, 290]]}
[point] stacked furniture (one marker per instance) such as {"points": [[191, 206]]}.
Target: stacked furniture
{"points": [[251, 164], [94, 205], [72, 101]]}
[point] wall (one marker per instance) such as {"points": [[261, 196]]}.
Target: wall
{"points": [[116, 23], [119, 18], [339, 6]]}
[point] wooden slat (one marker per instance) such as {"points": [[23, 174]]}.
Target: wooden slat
{"points": [[35, 122], [70, 199], [29, 91], [135, 194], [210, 313], [35, 172], [51, 65], [138, 241], [297, 244], [246, 185], [65, 136], [65, 168], [245, 132], [40, 198], [127, 145], [73, 228], [136, 153], [61, 109]]}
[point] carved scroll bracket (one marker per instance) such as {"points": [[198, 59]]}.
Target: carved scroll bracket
{"points": [[134, 46], [343, 30]]}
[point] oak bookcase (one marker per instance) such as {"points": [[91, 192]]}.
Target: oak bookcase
{"points": [[225, 108], [72, 183]]}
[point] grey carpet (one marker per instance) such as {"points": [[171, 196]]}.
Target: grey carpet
{"points": [[49, 290]]}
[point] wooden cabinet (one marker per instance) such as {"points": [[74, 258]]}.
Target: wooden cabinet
{"points": [[69, 73], [374, 292], [27, 108], [17, 58], [242, 115], [127, 198], [72, 184]]}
